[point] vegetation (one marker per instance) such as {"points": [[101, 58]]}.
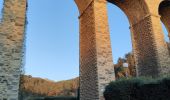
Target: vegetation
{"points": [[125, 88], [37, 87], [61, 98], [53, 98], [138, 89], [120, 71]]}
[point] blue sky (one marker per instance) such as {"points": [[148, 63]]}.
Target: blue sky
{"points": [[52, 38]]}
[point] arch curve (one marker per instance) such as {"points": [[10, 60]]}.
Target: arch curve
{"points": [[134, 16], [163, 5], [149, 48], [164, 12]]}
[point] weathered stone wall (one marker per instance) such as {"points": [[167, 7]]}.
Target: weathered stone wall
{"points": [[103, 44], [12, 30], [154, 51], [96, 65], [149, 47], [88, 65]]}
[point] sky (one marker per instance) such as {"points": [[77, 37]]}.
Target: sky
{"points": [[52, 38]]}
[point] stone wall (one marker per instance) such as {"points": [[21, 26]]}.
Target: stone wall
{"points": [[96, 65], [12, 29], [149, 47]]}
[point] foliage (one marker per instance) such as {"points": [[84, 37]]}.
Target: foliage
{"points": [[61, 98], [138, 89], [42, 87], [120, 71], [53, 98]]}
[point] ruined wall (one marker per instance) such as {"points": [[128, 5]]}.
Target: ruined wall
{"points": [[12, 30]]}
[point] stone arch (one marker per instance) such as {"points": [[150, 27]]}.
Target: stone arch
{"points": [[96, 66], [164, 12], [148, 40], [135, 17], [149, 48], [128, 6]]}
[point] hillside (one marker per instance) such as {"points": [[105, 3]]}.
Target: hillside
{"points": [[36, 87]]}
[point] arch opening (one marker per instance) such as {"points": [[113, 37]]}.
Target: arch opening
{"points": [[52, 47], [136, 19], [120, 41], [164, 4], [146, 37], [164, 12], [166, 33], [134, 16], [142, 32]]}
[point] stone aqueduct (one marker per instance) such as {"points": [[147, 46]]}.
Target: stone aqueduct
{"points": [[96, 66]]}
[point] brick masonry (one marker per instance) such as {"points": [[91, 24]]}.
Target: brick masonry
{"points": [[96, 65], [149, 47]]}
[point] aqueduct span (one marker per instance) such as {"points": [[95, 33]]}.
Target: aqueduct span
{"points": [[96, 66]]}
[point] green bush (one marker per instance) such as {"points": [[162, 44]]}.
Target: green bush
{"points": [[138, 89], [54, 98], [61, 98]]}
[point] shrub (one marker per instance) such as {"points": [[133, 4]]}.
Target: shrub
{"points": [[61, 98], [52, 98], [138, 89]]}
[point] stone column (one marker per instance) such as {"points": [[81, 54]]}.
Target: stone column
{"points": [[150, 49], [96, 65], [12, 30]]}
